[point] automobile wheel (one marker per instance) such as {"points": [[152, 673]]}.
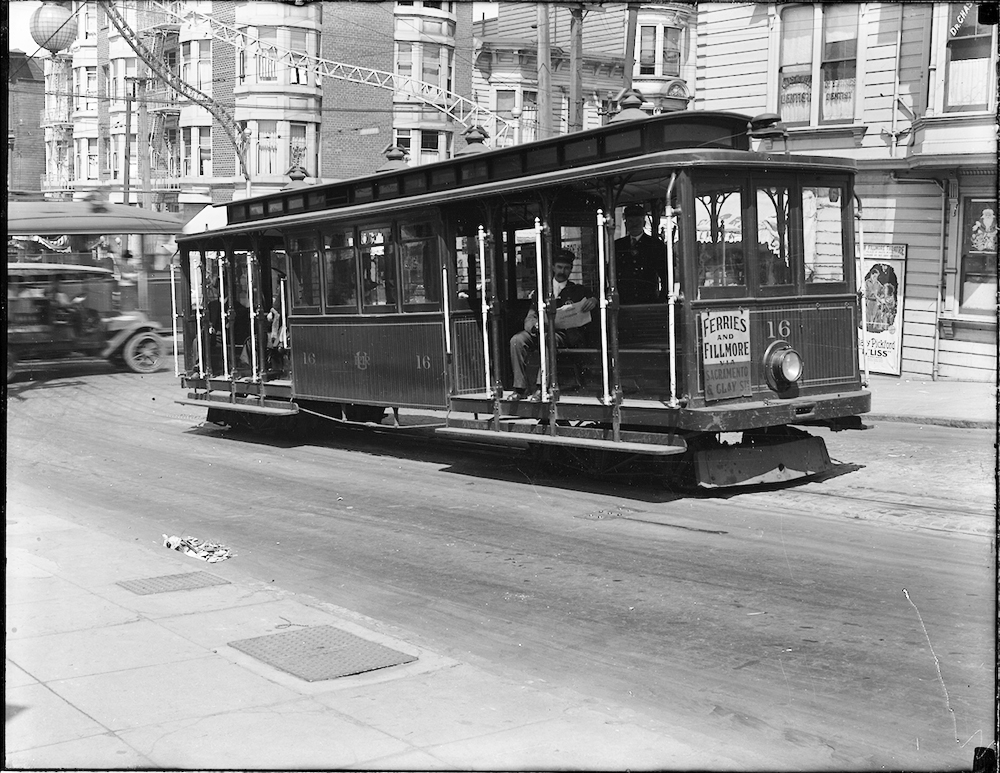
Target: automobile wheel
{"points": [[143, 352]]}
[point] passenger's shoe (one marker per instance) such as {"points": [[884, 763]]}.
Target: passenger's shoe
{"points": [[536, 397], [518, 394]]}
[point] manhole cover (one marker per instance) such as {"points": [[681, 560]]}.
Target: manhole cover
{"points": [[321, 652], [172, 582]]}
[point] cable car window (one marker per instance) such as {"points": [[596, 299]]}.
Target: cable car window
{"points": [[582, 242], [774, 266], [719, 223], [421, 269], [305, 272], [378, 269], [341, 273], [823, 233], [523, 243]]}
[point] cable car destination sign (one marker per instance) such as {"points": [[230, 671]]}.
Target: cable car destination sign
{"points": [[725, 350]]}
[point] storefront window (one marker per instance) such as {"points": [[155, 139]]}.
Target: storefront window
{"points": [[979, 256]]}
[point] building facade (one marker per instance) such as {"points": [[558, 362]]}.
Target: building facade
{"points": [[267, 87], [25, 146], [909, 90], [506, 76]]}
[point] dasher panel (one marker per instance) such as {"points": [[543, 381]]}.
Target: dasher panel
{"points": [[386, 364]]}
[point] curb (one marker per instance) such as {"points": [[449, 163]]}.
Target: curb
{"points": [[932, 420]]}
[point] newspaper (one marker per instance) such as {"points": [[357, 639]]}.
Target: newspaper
{"points": [[572, 315]]}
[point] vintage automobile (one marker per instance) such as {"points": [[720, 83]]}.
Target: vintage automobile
{"points": [[56, 310]]}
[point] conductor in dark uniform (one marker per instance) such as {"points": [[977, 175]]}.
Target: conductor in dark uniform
{"points": [[640, 261], [523, 343]]}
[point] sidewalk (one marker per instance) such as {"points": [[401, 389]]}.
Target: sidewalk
{"points": [[920, 400], [100, 677]]}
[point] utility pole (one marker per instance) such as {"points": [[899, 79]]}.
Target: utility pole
{"points": [[575, 66], [544, 74], [142, 135], [127, 160]]}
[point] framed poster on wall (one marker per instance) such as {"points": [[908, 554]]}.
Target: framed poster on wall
{"points": [[881, 291]]}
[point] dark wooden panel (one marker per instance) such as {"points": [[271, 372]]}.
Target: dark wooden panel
{"points": [[387, 364]]}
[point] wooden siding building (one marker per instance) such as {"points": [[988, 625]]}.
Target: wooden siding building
{"points": [[909, 91]]}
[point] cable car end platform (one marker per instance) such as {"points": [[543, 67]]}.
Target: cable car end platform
{"points": [[242, 404]]}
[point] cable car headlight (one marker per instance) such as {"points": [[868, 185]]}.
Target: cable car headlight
{"points": [[782, 365]]}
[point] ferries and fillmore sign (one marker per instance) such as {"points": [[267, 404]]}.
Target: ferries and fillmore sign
{"points": [[725, 342]]}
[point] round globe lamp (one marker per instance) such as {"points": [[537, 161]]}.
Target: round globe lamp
{"points": [[52, 27]]}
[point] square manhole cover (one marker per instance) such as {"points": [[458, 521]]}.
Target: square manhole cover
{"points": [[172, 582], [320, 652]]}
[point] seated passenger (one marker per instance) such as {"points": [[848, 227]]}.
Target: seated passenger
{"points": [[525, 342], [640, 261]]}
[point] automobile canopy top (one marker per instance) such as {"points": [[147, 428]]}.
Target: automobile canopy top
{"points": [[45, 218]]}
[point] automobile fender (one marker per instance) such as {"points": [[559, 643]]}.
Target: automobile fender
{"points": [[123, 328]]}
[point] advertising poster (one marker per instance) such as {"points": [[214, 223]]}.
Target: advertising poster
{"points": [[725, 341], [881, 292]]}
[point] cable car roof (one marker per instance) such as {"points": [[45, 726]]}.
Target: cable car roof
{"points": [[45, 218]]}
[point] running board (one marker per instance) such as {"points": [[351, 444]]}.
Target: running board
{"points": [[524, 439], [241, 404]]}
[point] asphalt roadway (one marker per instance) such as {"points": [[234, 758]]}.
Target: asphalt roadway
{"points": [[841, 624]]}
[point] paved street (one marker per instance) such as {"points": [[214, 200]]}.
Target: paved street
{"points": [[840, 623]]}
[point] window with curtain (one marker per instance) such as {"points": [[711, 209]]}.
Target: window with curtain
{"points": [[267, 147], [839, 66], [833, 27], [795, 68], [267, 66], [968, 61], [299, 41]]}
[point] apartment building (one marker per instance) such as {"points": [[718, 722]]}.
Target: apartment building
{"points": [[909, 90], [234, 94], [506, 77]]}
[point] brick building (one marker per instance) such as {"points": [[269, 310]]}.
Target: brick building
{"points": [[25, 145]]}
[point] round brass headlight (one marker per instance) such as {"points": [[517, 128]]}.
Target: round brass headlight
{"points": [[783, 365]]}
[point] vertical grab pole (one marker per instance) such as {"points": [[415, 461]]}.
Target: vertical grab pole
{"points": [[672, 292], [543, 365], [447, 311], [864, 289], [284, 314], [173, 313], [224, 316], [602, 223], [253, 320], [485, 311], [199, 313]]}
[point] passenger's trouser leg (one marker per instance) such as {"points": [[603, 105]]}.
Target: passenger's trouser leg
{"points": [[521, 346]]}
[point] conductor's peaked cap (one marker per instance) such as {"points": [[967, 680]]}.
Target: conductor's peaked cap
{"points": [[634, 210]]}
